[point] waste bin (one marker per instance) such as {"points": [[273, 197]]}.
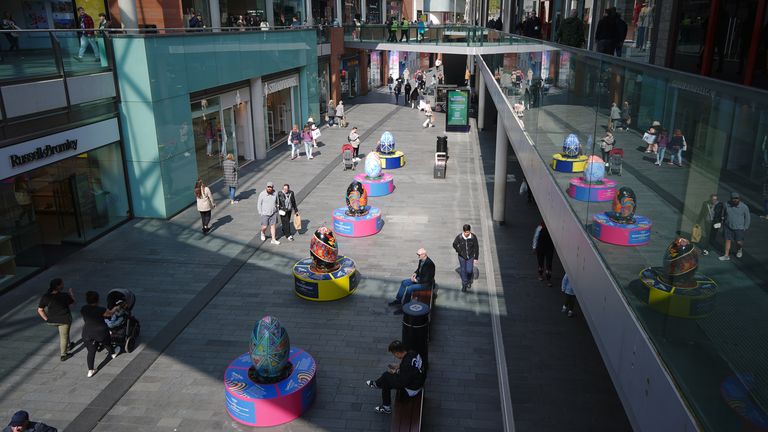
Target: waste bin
{"points": [[442, 145], [416, 328], [441, 160]]}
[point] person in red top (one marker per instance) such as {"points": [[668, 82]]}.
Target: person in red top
{"points": [[86, 35]]}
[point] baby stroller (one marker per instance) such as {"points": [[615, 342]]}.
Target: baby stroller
{"points": [[124, 328], [615, 160], [347, 152]]}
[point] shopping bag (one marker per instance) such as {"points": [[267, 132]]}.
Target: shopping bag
{"points": [[696, 233], [297, 221]]}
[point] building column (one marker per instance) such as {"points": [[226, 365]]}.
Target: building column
{"points": [[481, 102], [215, 15], [339, 11], [270, 13], [257, 113], [363, 9], [308, 12], [128, 17], [500, 172]]}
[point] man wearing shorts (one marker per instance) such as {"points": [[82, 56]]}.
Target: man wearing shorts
{"points": [[736, 224], [267, 207]]}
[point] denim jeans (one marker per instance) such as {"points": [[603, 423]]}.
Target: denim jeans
{"points": [[84, 42], [308, 148], [676, 153], [660, 155], [466, 270], [232, 193], [407, 287]]}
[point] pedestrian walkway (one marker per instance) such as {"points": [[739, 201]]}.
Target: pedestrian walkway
{"points": [[198, 298]]}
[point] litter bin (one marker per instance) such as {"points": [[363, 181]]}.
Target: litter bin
{"points": [[416, 328], [442, 145]]}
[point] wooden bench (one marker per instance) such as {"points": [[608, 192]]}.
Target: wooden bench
{"points": [[428, 297], [406, 415]]}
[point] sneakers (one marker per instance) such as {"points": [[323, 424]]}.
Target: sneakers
{"points": [[724, 258], [371, 384], [764, 217], [290, 238], [570, 314], [394, 303], [704, 252], [64, 357], [275, 242], [563, 309], [311, 157], [91, 373], [383, 409], [739, 254], [117, 351], [263, 237]]}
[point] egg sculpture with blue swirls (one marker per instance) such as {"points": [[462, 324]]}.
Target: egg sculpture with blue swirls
{"points": [[373, 165], [357, 199], [269, 350], [571, 146], [595, 170], [387, 143]]}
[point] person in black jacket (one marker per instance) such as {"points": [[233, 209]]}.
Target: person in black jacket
{"points": [[409, 375], [621, 32], [20, 422], [607, 32], [468, 249], [421, 279], [286, 204], [53, 308], [544, 250], [95, 330]]}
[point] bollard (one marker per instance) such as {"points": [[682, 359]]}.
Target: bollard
{"points": [[416, 328], [442, 145]]}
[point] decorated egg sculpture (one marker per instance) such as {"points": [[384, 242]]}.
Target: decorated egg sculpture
{"points": [[624, 205], [571, 146], [270, 347], [373, 165], [680, 262], [324, 251], [357, 199], [595, 170], [387, 143]]}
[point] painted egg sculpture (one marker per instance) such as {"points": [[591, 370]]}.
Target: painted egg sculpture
{"points": [[373, 165], [270, 347], [595, 170], [680, 262], [324, 250], [624, 204], [571, 146], [357, 199], [387, 143]]}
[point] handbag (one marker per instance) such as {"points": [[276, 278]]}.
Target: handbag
{"points": [[297, 221], [696, 233], [315, 133]]}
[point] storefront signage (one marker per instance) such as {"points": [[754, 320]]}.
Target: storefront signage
{"points": [[281, 84], [457, 119], [33, 154], [42, 153]]}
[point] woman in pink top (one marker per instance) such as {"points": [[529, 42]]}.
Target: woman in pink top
{"points": [[306, 138]]}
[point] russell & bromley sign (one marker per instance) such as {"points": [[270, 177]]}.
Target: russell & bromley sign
{"points": [[41, 153]]}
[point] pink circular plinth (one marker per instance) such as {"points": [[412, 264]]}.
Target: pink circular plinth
{"points": [[384, 185], [581, 190], [357, 226], [608, 231]]}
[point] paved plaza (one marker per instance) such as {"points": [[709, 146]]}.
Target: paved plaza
{"points": [[198, 298]]}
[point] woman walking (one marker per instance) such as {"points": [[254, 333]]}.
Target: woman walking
{"points": [[606, 145], [95, 330], [286, 204], [569, 297], [354, 140], [615, 122], [230, 176], [54, 310], [294, 138], [662, 146], [544, 250], [676, 144], [340, 115], [204, 203], [331, 116], [306, 138]]}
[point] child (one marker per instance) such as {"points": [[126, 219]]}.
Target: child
{"points": [[293, 139], [306, 137]]}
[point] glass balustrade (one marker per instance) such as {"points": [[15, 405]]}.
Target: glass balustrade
{"points": [[706, 315], [457, 35]]}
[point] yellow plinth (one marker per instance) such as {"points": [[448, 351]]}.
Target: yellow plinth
{"points": [[393, 160], [696, 301], [568, 164], [311, 285]]}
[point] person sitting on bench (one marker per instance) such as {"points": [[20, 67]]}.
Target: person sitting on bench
{"points": [[409, 375], [421, 279]]}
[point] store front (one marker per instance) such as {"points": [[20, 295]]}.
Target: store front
{"points": [[350, 72], [282, 108], [324, 87], [222, 125], [374, 70], [59, 192]]}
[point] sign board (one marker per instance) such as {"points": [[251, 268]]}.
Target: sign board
{"points": [[457, 118]]}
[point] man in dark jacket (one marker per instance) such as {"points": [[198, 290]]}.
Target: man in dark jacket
{"points": [[607, 32], [407, 93], [621, 32], [468, 249], [422, 279], [532, 26], [409, 375], [20, 423], [571, 31]]}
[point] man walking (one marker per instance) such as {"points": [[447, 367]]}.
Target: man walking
{"points": [[267, 207], [736, 224], [607, 32], [421, 279], [468, 249], [571, 31], [408, 375], [286, 204], [86, 35]]}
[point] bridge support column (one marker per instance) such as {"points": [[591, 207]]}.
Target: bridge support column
{"points": [[500, 172], [481, 102]]}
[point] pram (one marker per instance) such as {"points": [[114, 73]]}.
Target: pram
{"points": [[125, 333], [615, 160], [347, 156]]}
